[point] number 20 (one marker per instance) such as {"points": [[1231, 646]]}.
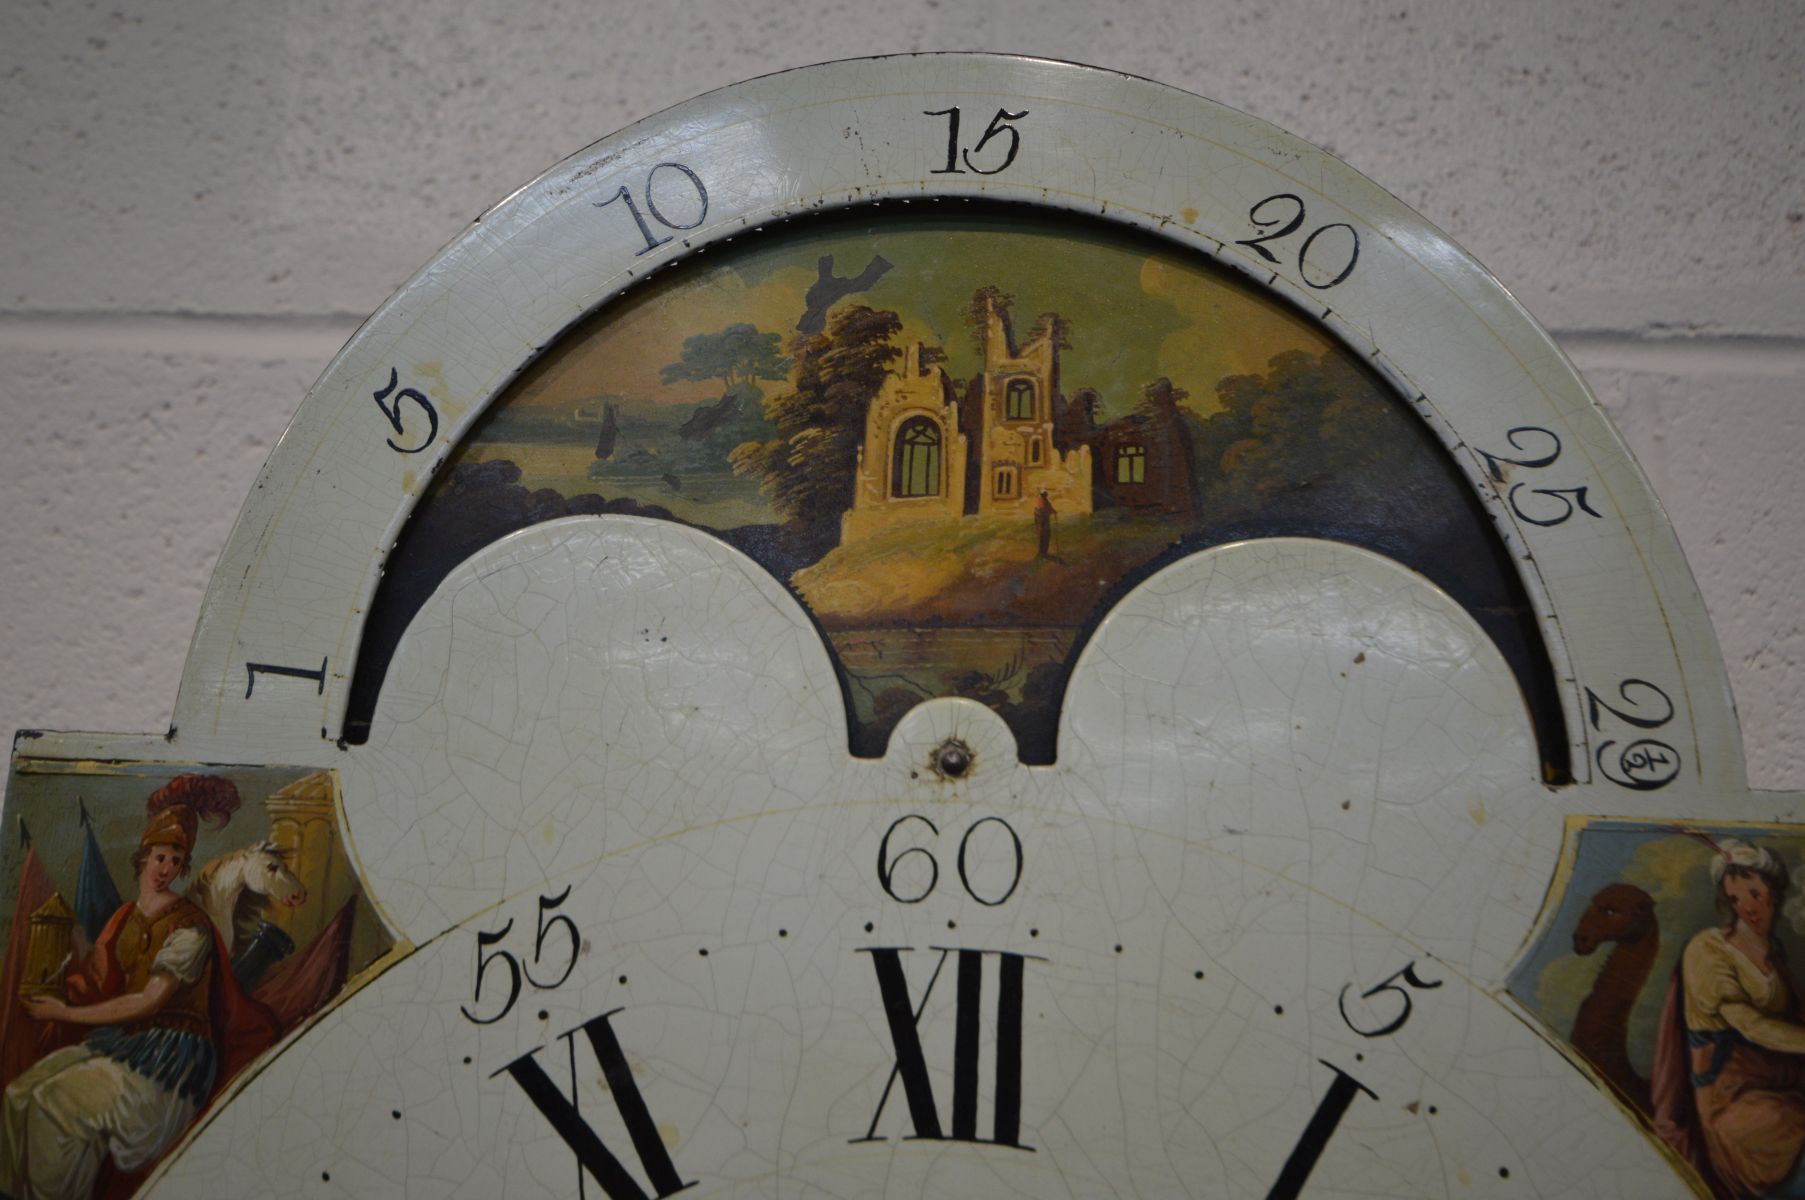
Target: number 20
{"points": [[1257, 244]]}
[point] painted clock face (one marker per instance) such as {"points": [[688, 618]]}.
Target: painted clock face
{"points": [[952, 626]]}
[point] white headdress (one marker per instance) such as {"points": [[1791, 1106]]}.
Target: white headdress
{"points": [[1734, 852]]}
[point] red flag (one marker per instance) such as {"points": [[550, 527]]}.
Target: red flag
{"points": [[301, 986], [18, 1032]]}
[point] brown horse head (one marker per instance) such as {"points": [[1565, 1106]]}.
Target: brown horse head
{"points": [[1620, 912]]}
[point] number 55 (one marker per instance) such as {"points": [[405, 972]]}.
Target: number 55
{"points": [[486, 958]]}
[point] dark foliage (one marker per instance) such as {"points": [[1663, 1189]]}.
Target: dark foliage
{"points": [[807, 469], [737, 354]]}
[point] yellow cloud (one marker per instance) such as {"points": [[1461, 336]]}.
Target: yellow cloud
{"points": [[1670, 868], [621, 350], [1561, 986], [1230, 330]]}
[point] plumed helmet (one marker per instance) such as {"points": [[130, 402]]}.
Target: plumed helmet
{"points": [[178, 807]]}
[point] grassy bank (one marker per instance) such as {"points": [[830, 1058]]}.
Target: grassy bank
{"points": [[981, 570]]}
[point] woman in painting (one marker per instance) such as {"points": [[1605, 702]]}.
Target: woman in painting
{"points": [[168, 1023], [1729, 1077]]}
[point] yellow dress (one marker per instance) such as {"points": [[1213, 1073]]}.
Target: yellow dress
{"points": [[1748, 1065]]}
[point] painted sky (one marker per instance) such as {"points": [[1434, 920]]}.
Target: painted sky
{"points": [[1138, 308]]}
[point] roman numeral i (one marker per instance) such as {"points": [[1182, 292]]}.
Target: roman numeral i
{"points": [[1316, 1135]]}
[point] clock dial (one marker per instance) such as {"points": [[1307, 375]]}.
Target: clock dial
{"points": [[936, 626], [1142, 970]]}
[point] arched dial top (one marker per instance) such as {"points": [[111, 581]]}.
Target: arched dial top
{"points": [[1285, 891], [280, 632]]}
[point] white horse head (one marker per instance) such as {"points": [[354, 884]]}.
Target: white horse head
{"points": [[234, 888]]}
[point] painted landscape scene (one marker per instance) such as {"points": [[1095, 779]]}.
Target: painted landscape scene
{"points": [[957, 438]]}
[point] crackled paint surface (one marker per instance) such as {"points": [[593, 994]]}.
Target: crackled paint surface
{"points": [[1278, 917], [1292, 767]]}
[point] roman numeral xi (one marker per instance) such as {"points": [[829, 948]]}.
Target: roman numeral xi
{"points": [[593, 1155]]}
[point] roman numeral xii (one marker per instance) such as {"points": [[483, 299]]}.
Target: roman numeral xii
{"points": [[904, 1021]]}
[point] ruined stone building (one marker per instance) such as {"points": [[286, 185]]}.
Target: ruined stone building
{"points": [[916, 463]]}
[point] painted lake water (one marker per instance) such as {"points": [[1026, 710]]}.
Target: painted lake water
{"points": [[891, 669]]}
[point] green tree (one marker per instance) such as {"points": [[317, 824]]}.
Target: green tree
{"points": [[738, 354], [1308, 422], [807, 470]]}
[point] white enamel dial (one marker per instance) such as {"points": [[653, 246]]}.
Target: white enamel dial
{"points": [[1271, 922]]}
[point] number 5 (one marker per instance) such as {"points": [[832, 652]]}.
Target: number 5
{"points": [[393, 412], [546, 904], [1409, 976], [1579, 501], [998, 126], [483, 963]]}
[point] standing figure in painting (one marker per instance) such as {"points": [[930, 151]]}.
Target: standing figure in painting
{"points": [[170, 1023], [1729, 1073], [1044, 513]]}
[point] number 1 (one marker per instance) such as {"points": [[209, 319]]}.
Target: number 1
{"points": [[952, 140]]}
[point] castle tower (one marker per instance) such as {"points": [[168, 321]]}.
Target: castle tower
{"points": [[911, 467], [1018, 457]]}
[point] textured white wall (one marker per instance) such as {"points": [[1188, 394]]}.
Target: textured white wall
{"points": [[199, 200]]}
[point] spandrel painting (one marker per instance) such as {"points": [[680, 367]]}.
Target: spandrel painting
{"points": [[958, 435], [170, 927], [1670, 967]]}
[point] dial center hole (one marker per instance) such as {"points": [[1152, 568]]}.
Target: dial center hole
{"points": [[951, 759]]}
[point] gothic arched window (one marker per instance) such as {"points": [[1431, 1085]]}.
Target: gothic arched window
{"points": [[915, 470], [1019, 400]]}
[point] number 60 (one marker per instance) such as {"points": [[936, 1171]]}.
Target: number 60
{"points": [[886, 864]]}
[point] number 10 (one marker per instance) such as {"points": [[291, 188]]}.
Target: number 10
{"points": [[639, 219]]}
